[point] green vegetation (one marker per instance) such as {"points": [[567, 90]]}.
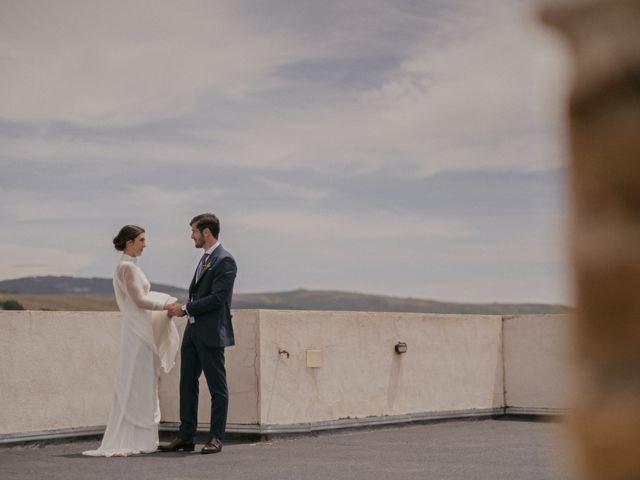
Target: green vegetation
{"points": [[11, 305]]}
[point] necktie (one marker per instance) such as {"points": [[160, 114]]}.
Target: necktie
{"points": [[201, 266]]}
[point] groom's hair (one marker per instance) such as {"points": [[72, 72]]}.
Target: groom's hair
{"points": [[207, 220]]}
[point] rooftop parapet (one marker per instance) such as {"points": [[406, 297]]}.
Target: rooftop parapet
{"points": [[59, 368]]}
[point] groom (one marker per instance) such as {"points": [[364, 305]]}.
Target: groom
{"points": [[206, 335]]}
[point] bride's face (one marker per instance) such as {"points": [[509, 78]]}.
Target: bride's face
{"points": [[136, 246]]}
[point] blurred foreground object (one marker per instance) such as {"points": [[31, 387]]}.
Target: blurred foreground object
{"points": [[604, 135]]}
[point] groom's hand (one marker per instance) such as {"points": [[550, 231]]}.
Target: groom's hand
{"points": [[175, 310], [172, 310]]}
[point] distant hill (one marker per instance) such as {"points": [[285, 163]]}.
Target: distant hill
{"points": [[83, 303], [52, 285], [71, 293], [336, 300]]}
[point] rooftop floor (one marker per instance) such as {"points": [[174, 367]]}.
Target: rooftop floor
{"points": [[465, 450]]}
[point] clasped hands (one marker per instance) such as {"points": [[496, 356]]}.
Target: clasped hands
{"points": [[175, 310]]}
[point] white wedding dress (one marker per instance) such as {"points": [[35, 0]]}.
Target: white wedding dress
{"points": [[150, 341]]}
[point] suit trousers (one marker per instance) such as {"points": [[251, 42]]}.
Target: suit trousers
{"points": [[197, 358]]}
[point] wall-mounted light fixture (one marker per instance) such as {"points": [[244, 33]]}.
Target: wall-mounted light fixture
{"points": [[401, 347]]}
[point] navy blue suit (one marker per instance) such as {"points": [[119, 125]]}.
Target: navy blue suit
{"points": [[204, 342]]}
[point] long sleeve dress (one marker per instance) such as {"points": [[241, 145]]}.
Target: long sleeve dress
{"points": [[150, 342]]}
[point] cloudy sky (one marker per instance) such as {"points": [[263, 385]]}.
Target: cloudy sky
{"points": [[401, 147]]}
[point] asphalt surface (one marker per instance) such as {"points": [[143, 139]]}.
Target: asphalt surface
{"points": [[464, 450]]}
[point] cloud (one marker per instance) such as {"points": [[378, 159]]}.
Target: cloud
{"points": [[126, 62], [326, 227], [435, 88], [22, 260], [392, 146], [476, 101]]}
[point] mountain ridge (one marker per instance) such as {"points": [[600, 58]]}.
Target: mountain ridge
{"points": [[300, 299]]}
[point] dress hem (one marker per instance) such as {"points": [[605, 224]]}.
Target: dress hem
{"points": [[122, 452]]}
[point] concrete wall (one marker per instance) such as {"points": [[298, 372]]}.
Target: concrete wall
{"points": [[242, 376], [57, 369], [538, 366], [452, 363]]}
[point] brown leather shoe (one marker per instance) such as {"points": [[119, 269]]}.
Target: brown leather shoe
{"points": [[176, 445], [212, 446]]}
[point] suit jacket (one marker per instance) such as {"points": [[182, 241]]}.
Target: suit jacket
{"points": [[210, 300]]}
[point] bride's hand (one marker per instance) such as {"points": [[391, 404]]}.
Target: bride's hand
{"points": [[169, 308], [175, 310]]}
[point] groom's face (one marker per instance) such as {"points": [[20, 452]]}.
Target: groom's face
{"points": [[197, 236]]}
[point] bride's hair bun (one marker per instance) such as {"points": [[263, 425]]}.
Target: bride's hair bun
{"points": [[126, 233]]}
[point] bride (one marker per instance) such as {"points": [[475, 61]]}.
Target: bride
{"points": [[149, 342]]}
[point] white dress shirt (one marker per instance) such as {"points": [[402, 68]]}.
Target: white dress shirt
{"points": [[208, 252]]}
